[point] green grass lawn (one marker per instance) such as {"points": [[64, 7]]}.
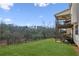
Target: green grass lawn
{"points": [[46, 47]]}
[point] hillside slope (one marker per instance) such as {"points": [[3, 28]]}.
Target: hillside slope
{"points": [[46, 47]]}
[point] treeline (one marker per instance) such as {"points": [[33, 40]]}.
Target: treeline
{"points": [[17, 34]]}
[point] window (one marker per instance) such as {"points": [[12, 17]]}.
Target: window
{"points": [[76, 29]]}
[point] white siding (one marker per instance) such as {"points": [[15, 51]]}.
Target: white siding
{"points": [[74, 13], [78, 13], [75, 20], [75, 37]]}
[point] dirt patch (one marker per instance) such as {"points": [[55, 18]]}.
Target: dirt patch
{"points": [[76, 49]]}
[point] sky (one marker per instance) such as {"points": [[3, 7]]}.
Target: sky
{"points": [[30, 14]]}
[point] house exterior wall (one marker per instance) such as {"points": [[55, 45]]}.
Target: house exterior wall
{"points": [[74, 13], [78, 23], [78, 20], [75, 21]]}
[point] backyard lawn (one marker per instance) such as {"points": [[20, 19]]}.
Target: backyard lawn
{"points": [[46, 47]]}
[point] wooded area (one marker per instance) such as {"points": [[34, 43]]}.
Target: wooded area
{"points": [[11, 34]]}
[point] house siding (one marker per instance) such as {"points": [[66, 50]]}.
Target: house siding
{"points": [[75, 21]]}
